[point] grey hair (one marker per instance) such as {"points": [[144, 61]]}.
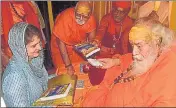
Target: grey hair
{"points": [[164, 34]]}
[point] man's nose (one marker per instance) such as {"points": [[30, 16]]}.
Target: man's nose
{"points": [[81, 17], [117, 13], [135, 50]]}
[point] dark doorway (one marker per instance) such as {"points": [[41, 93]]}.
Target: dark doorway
{"points": [[57, 7]]}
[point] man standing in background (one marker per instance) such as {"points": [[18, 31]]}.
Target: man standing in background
{"points": [[72, 26], [114, 29]]}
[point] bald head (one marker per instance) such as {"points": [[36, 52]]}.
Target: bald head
{"points": [[83, 12], [83, 7]]}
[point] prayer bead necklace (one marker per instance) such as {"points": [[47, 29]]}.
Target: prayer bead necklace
{"points": [[115, 39], [120, 78]]}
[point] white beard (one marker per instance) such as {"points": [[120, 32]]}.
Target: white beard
{"points": [[80, 22], [141, 65]]}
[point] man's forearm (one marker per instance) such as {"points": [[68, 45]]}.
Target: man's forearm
{"points": [[91, 36], [64, 53]]}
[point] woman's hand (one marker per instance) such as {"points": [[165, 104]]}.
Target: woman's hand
{"points": [[108, 62]]}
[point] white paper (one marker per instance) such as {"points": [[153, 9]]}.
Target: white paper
{"points": [[94, 62]]}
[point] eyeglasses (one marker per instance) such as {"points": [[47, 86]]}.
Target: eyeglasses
{"points": [[120, 11], [77, 15]]}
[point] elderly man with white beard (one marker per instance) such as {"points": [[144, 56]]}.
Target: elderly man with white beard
{"points": [[145, 78]]}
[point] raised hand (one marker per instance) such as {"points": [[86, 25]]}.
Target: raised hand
{"points": [[108, 62]]}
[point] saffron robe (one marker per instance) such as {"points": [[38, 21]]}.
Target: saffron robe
{"points": [[68, 31], [106, 31], [155, 88]]}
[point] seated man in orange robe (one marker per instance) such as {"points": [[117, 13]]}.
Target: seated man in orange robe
{"points": [[72, 26], [145, 78], [14, 12], [114, 29]]}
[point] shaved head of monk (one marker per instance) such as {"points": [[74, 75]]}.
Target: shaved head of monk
{"points": [[83, 11]]}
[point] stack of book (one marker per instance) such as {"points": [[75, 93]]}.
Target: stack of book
{"points": [[86, 50]]}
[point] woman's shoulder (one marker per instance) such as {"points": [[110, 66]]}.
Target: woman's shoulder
{"points": [[12, 78], [12, 71]]}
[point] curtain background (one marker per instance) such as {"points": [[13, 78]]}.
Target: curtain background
{"points": [[100, 8], [172, 15]]}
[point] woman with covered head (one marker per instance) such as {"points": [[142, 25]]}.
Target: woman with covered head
{"points": [[25, 77], [144, 78]]}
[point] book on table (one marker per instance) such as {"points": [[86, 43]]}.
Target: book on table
{"points": [[59, 93], [56, 92], [87, 50], [80, 84]]}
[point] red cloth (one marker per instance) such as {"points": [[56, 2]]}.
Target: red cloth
{"points": [[31, 17], [108, 28], [96, 75], [7, 19], [122, 4]]}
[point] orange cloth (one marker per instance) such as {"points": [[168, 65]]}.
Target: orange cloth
{"points": [[108, 28], [9, 18], [122, 4], [4, 58], [68, 31], [154, 88], [173, 46]]}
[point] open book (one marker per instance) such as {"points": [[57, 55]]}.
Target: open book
{"points": [[56, 92], [86, 49]]}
